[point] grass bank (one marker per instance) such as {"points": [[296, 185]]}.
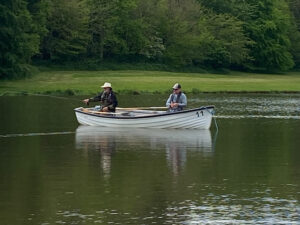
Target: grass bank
{"points": [[136, 82]]}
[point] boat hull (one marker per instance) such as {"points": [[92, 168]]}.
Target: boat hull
{"points": [[199, 118]]}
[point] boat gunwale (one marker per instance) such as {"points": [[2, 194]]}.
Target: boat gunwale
{"points": [[141, 117]]}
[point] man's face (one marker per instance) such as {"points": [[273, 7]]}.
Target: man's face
{"points": [[106, 89], [176, 91]]}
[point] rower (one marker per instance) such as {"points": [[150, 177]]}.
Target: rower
{"points": [[177, 100], [107, 98]]}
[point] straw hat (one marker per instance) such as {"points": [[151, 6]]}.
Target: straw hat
{"points": [[106, 85]]}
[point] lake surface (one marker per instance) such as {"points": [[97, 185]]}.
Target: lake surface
{"points": [[53, 171]]}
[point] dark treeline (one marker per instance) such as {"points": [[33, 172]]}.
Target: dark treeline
{"points": [[236, 34]]}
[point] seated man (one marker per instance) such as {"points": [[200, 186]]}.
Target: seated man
{"points": [[177, 100], [107, 98]]}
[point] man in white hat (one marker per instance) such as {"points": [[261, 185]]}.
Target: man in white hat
{"points": [[107, 98], [177, 100]]}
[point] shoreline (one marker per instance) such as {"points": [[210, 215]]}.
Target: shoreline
{"points": [[138, 82]]}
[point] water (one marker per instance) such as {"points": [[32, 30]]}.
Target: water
{"points": [[53, 171]]}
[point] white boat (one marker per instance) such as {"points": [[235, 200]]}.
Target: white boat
{"points": [[198, 118]]}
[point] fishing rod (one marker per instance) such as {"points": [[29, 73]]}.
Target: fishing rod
{"points": [[77, 100], [42, 95]]}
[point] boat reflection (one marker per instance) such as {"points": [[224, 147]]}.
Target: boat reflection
{"points": [[175, 142]]}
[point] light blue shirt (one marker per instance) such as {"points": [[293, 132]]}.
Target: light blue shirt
{"points": [[181, 103]]}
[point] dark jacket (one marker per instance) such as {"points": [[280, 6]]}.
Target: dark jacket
{"points": [[107, 100]]}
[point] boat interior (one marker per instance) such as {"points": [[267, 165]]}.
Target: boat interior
{"points": [[124, 112]]}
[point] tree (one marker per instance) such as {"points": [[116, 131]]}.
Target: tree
{"points": [[18, 41], [194, 35], [101, 22], [294, 32], [295, 9], [269, 28], [67, 24], [268, 24], [121, 29], [39, 10]]}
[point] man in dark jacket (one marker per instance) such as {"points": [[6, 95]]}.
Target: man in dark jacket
{"points": [[107, 98]]}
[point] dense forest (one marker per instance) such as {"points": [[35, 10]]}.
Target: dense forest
{"points": [[235, 34]]}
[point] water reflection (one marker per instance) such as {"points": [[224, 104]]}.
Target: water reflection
{"points": [[175, 142]]}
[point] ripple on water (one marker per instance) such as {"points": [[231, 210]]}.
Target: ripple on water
{"points": [[272, 105], [208, 209], [218, 210]]}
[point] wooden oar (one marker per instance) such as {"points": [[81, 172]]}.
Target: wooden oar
{"points": [[137, 108], [99, 112], [106, 113]]}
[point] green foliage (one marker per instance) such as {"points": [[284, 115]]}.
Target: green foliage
{"points": [[101, 20], [295, 10], [294, 32], [39, 10], [196, 36], [18, 41], [255, 34], [268, 24], [269, 29], [67, 30], [119, 29]]}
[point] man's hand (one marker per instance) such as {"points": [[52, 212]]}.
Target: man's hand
{"points": [[105, 109], [86, 101], [174, 105]]}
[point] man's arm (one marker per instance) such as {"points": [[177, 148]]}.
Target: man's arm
{"points": [[168, 103], [96, 98]]}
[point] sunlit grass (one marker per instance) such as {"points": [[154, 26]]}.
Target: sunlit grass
{"points": [[88, 82]]}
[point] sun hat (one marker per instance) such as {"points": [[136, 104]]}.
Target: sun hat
{"points": [[106, 85], [176, 86]]}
